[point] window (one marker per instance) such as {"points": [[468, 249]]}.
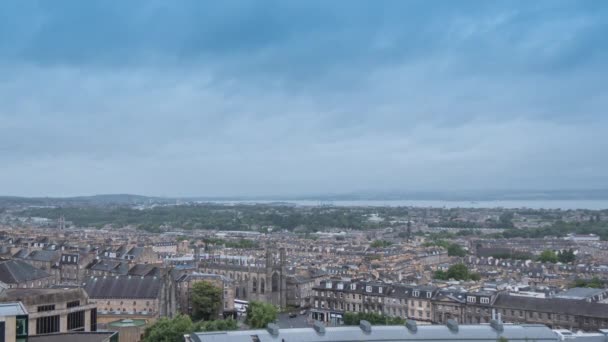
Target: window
{"points": [[379, 290], [76, 303], [43, 308], [484, 300], [471, 299], [416, 293], [368, 289], [47, 325], [76, 321], [429, 294]]}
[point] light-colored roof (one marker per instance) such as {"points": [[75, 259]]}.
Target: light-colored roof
{"points": [[12, 309], [480, 333]]}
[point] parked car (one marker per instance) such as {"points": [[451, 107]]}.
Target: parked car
{"points": [[303, 312], [293, 315]]}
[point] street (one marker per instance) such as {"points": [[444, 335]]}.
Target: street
{"points": [[297, 322]]}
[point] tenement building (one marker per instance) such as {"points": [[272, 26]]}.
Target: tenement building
{"points": [[332, 299]]}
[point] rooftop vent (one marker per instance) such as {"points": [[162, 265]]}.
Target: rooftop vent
{"points": [[273, 329], [319, 327], [496, 325], [452, 325], [411, 325], [365, 326]]}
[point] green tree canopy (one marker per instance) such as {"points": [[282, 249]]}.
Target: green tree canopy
{"points": [[352, 318], [456, 250], [169, 330], [457, 272], [380, 244], [260, 314], [548, 256], [173, 330], [206, 300], [566, 256], [595, 283]]}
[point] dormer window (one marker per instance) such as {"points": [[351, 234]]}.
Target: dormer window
{"points": [[471, 299], [379, 290], [416, 293], [428, 294], [353, 286], [368, 289], [484, 300], [340, 286], [328, 285]]}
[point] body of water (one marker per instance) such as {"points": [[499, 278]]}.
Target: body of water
{"points": [[511, 204]]}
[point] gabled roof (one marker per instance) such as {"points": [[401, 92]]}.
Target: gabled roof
{"points": [[18, 271], [42, 255], [144, 270], [123, 287]]}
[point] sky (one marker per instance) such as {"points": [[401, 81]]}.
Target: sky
{"points": [[286, 97]]}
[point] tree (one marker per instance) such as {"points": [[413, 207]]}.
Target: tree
{"points": [[169, 330], [547, 256], [173, 330], [206, 300], [352, 318], [566, 256], [458, 272], [595, 283], [380, 244], [441, 275], [260, 314], [217, 325], [456, 250]]}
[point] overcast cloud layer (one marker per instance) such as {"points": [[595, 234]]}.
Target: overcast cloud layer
{"points": [[256, 97]]}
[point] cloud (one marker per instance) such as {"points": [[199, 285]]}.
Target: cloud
{"points": [[272, 97]]}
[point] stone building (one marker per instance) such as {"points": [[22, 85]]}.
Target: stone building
{"points": [[184, 281], [132, 297], [334, 298], [55, 310], [265, 282], [72, 267], [19, 274], [554, 312]]}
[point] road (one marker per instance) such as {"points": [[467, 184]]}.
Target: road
{"points": [[297, 322]]}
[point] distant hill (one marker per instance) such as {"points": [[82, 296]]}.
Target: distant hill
{"points": [[95, 200], [130, 199]]}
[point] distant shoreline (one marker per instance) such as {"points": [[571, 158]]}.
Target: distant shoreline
{"points": [[507, 204]]}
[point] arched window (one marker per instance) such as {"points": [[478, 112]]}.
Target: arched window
{"points": [[275, 282], [262, 286], [254, 285], [237, 292]]}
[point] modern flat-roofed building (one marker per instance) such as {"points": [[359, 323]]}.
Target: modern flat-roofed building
{"points": [[54, 310], [366, 332], [13, 322]]}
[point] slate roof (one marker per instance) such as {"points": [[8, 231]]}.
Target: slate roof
{"points": [[580, 293], [144, 270], [98, 336], [18, 271], [123, 287], [552, 305], [112, 266], [42, 255]]}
